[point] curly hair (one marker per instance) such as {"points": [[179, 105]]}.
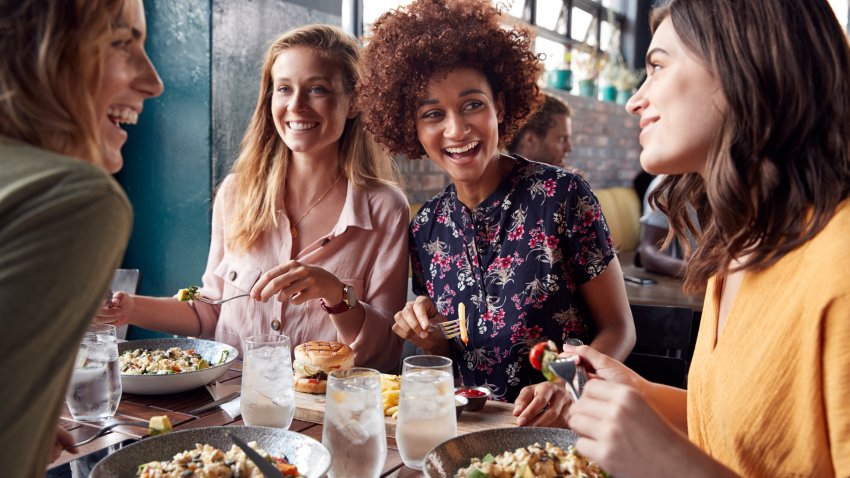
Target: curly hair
{"points": [[410, 45]]}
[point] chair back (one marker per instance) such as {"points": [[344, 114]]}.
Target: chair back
{"points": [[663, 335]]}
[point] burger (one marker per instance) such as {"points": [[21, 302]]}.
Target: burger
{"points": [[313, 362]]}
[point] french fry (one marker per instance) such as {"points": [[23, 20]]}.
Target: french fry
{"points": [[388, 412], [461, 310], [390, 391]]}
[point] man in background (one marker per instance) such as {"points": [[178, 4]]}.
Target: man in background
{"points": [[546, 136]]}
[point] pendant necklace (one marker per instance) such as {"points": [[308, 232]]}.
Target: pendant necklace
{"points": [[293, 229]]}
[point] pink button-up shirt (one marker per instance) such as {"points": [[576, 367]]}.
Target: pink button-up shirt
{"points": [[367, 249]]}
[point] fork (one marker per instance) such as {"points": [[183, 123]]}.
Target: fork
{"points": [[108, 428], [450, 328], [217, 301], [565, 369]]}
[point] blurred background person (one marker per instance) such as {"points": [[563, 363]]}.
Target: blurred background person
{"points": [[546, 136], [763, 155], [654, 229], [70, 73]]}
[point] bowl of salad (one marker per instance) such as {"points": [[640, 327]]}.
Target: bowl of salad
{"points": [[171, 365], [210, 452]]}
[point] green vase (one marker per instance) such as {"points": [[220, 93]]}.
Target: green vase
{"points": [[560, 79], [623, 96], [587, 88], [609, 93]]}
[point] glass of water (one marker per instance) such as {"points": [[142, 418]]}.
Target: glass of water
{"points": [[426, 408], [268, 398], [354, 429], [95, 388]]}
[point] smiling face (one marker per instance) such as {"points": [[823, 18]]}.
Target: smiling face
{"points": [[457, 123], [128, 80], [681, 107], [309, 105]]}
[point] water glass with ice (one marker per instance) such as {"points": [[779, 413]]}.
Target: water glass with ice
{"points": [[426, 408], [354, 429], [268, 398], [95, 388]]}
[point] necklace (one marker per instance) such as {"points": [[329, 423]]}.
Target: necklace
{"points": [[293, 229]]}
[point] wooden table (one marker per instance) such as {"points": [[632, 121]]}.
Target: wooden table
{"points": [[309, 415], [666, 291]]}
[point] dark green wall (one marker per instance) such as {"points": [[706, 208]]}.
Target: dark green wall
{"points": [[167, 172]]}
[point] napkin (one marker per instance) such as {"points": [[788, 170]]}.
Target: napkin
{"points": [[220, 389]]}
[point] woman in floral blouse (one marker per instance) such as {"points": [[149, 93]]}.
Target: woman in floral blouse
{"points": [[523, 245]]}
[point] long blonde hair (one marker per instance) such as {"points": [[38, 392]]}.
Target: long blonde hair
{"points": [[51, 61], [260, 170]]}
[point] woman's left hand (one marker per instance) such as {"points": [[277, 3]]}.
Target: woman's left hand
{"points": [[298, 283], [613, 422], [542, 405]]}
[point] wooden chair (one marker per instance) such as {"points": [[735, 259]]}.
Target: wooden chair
{"points": [[662, 345], [126, 280]]}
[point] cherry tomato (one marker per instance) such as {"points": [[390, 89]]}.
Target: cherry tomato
{"points": [[536, 355]]}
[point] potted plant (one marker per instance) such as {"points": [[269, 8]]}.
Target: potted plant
{"points": [[588, 67], [561, 77], [626, 80]]}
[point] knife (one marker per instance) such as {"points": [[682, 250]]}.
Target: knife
{"points": [[214, 404], [266, 467]]}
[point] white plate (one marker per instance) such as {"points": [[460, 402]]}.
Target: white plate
{"points": [[311, 457], [177, 382]]}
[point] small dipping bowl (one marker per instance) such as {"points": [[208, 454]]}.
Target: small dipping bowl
{"points": [[460, 405], [477, 396]]}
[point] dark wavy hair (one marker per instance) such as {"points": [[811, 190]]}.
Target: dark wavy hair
{"points": [[781, 163], [411, 44]]}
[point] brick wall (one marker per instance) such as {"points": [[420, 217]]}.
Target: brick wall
{"points": [[605, 147]]}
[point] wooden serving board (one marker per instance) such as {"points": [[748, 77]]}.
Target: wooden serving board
{"points": [[311, 408]]}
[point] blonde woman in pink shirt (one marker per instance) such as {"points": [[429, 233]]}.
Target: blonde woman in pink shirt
{"points": [[309, 222]]}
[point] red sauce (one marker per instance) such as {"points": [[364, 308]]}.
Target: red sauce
{"points": [[469, 393]]}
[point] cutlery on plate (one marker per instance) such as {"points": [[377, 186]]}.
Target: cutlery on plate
{"points": [[266, 467], [214, 403], [108, 428]]}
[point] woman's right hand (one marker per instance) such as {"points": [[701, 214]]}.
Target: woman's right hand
{"points": [[599, 365], [413, 323], [117, 312]]}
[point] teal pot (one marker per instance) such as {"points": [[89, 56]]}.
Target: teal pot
{"points": [[560, 79], [587, 88], [623, 96], [609, 93]]}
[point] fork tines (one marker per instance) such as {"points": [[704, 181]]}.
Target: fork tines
{"points": [[450, 328]]}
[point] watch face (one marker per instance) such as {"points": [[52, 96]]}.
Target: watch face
{"points": [[350, 297]]}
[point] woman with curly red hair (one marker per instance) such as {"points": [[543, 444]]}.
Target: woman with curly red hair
{"points": [[523, 245]]}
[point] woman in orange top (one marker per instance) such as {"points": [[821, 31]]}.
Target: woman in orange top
{"points": [[751, 118]]}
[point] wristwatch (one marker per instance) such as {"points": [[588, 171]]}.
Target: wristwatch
{"points": [[349, 300]]}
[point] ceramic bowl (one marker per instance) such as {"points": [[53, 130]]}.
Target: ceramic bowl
{"points": [[448, 457], [460, 404], [178, 382], [475, 403], [311, 457]]}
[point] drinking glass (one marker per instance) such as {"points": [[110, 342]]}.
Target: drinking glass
{"points": [[95, 388], [426, 408], [268, 398], [354, 429]]}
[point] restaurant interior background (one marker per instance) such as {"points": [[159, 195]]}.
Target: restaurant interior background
{"points": [[208, 53]]}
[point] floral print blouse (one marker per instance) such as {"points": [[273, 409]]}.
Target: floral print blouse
{"points": [[516, 262]]}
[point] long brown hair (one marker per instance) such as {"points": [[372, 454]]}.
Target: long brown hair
{"points": [[781, 163], [51, 61], [260, 170]]}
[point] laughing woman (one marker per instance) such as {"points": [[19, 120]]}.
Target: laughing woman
{"points": [[309, 221], [763, 154], [523, 245]]}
